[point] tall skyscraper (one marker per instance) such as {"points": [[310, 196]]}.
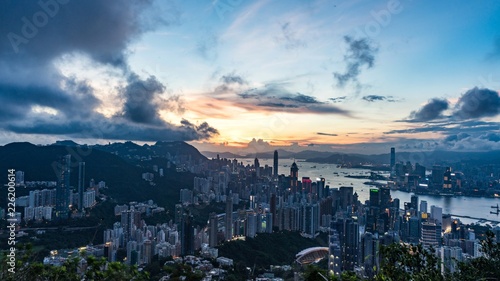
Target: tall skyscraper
{"points": [[393, 157], [62, 190], [272, 209], [81, 184], [275, 164], [229, 217], [423, 206], [414, 202], [385, 198], [348, 231], [257, 167], [187, 232], [374, 197], [334, 252], [127, 223], [214, 229], [320, 184], [294, 177], [346, 197]]}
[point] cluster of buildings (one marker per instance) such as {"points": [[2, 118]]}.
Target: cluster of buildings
{"points": [[142, 241], [257, 199], [463, 179], [62, 200]]}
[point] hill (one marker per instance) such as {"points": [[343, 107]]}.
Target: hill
{"points": [[123, 178], [176, 151]]}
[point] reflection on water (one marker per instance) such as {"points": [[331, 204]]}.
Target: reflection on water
{"points": [[477, 207]]}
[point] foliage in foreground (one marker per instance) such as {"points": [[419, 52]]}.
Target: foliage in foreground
{"points": [[96, 269], [402, 263]]}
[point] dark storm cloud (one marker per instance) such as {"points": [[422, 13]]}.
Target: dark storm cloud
{"points": [[67, 100], [478, 103], [141, 100], [326, 134], [100, 29], [360, 53], [38, 99], [431, 111], [104, 128], [375, 98]]}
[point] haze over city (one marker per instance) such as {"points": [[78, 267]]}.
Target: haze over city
{"points": [[359, 76]]}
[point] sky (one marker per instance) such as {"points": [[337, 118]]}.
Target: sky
{"points": [[241, 75]]}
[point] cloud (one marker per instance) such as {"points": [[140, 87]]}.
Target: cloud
{"points": [[99, 127], [141, 101], [360, 52], [326, 134], [430, 111], [67, 29], [338, 99], [270, 97], [39, 99], [477, 103], [288, 38], [233, 78], [449, 127], [466, 142], [375, 98]]}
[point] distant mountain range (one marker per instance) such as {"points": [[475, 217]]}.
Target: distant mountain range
{"points": [[426, 158]]}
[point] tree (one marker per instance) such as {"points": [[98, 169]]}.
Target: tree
{"points": [[97, 269], [314, 273], [486, 267], [413, 262]]}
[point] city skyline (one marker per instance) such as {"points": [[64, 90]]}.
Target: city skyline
{"points": [[225, 75]]}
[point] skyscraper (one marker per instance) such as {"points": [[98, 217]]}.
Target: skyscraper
{"points": [[346, 197], [275, 164], [62, 190], [322, 191], [229, 217], [385, 198], [257, 167], [374, 197], [294, 177], [81, 184], [272, 209], [214, 229], [414, 202], [393, 157], [348, 231], [187, 232]]}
